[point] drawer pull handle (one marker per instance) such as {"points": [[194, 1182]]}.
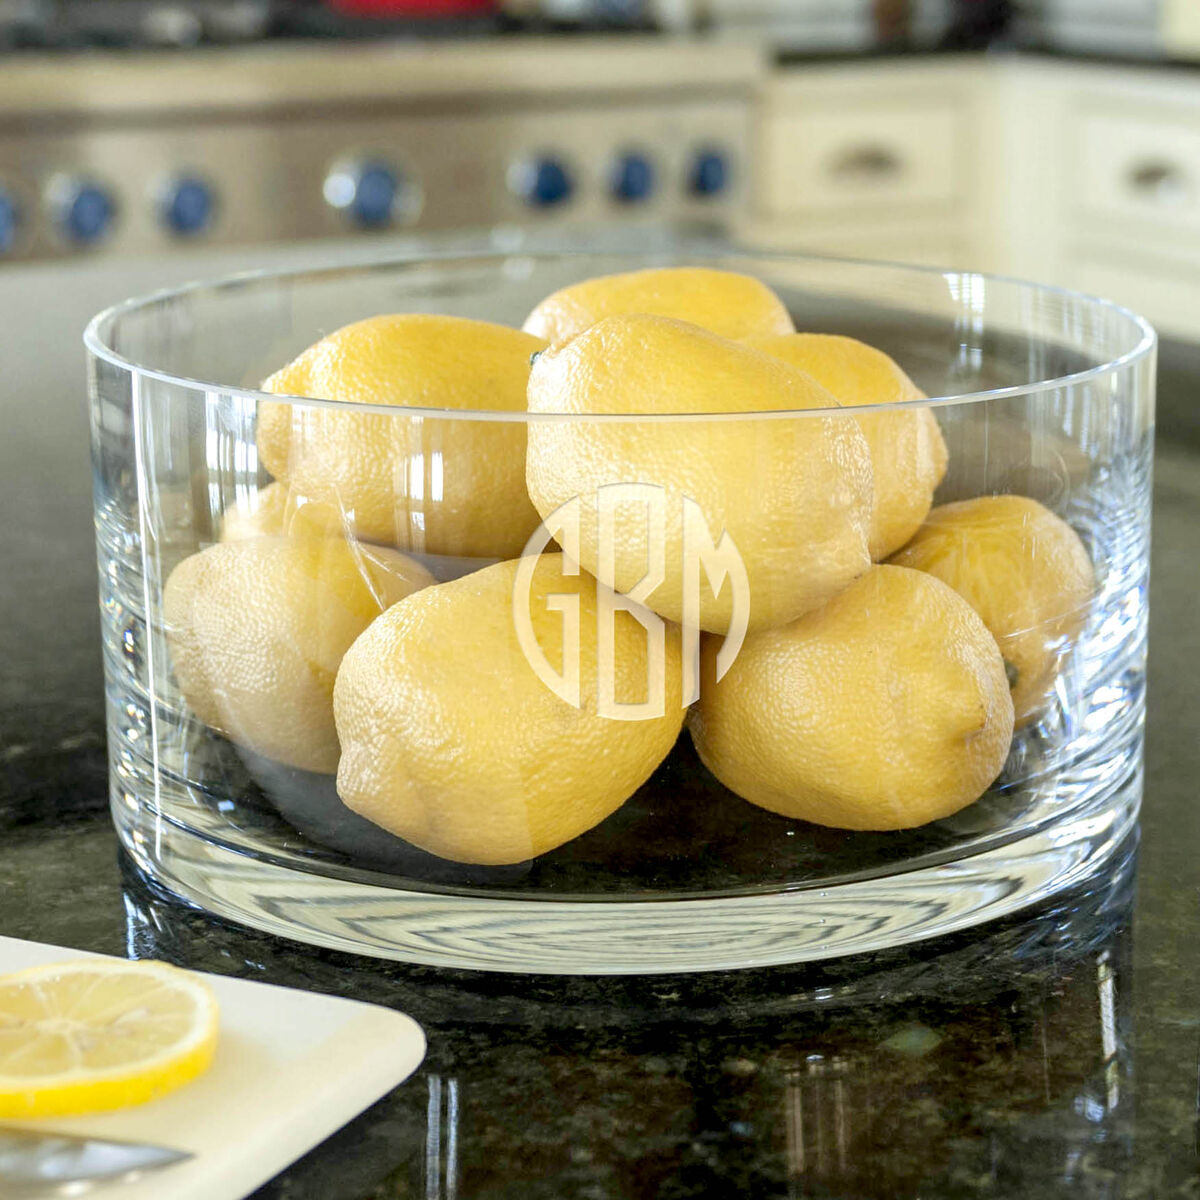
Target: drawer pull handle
{"points": [[1162, 182], [868, 164]]}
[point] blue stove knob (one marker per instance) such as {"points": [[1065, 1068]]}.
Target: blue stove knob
{"points": [[374, 195], [542, 182], [369, 192], [709, 174], [83, 210], [10, 221], [187, 205], [632, 178]]}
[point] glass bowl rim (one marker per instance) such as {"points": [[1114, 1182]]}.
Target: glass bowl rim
{"points": [[103, 322]]}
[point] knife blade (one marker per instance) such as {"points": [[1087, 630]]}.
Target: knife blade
{"points": [[32, 1159]]}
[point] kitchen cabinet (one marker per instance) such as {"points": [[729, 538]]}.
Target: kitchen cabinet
{"points": [[862, 159], [1119, 210], [871, 158], [1082, 174]]}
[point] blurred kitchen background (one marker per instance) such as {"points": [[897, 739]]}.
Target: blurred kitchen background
{"points": [[143, 142]]}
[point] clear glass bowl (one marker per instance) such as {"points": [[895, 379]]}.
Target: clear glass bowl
{"points": [[1037, 392]]}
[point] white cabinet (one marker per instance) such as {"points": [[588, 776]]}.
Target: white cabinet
{"points": [[863, 159], [1114, 206], [1081, 174], [1142, 169], [1167, 293], [870, 158]]}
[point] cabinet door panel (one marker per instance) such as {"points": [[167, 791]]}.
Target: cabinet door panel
{"points": [[862, 159]]}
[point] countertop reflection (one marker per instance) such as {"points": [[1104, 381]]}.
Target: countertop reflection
{"points": [[999, 1064]]}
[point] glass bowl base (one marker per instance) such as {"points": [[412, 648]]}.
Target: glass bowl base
{"points": [[638, 937]]}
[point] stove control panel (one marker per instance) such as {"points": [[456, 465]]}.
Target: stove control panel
{"points": [[148, 184]]}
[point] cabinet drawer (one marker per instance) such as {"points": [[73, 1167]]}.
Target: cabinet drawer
{"points": [[863, 159], [1142, 171]]}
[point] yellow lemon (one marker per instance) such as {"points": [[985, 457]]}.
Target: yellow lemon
{"points": [[276, 510], [454, 741], [1023, 570], [725, 302], [884, 709], [98, 1034], [257, 629], [431, 484], [793, 494], [908, 453]]}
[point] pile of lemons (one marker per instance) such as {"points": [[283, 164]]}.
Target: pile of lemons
{"points": [[890, 647]]}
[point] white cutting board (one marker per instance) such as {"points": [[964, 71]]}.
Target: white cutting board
{"points": [[291, 1068]]}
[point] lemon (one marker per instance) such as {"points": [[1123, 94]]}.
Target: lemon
{"points": [[276, 510], [257, 628], [725, 302], [452, 740], [908, 453], [99, 1034], [430, 484], [794, 495], [886, 708], [1024, 570]]}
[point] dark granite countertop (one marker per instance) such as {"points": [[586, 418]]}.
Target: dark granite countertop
{"points": [[903, 51], [1051, 1055]]}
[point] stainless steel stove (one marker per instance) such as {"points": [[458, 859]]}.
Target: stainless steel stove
{"points": [[136, 153]]}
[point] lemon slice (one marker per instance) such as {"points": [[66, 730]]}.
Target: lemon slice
{"points": [[99, 1034]]}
